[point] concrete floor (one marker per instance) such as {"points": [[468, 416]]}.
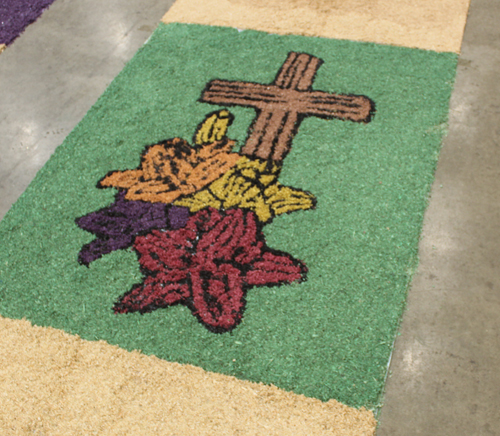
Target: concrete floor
{"points": [[444, 378], [54, 73]]}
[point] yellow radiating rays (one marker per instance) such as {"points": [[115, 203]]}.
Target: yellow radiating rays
{"points": [[251, 184]]}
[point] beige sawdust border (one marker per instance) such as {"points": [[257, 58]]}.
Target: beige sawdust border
{"points": [[428, 24], [53, 383]]}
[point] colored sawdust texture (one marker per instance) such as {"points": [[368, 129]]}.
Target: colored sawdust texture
{"points": [[173, 169], [58, 384], [16, 15], [258, 181], [428, 24], [328, 337], [208, 267]]}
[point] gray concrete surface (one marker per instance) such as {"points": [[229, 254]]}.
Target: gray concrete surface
{"points": [[54, 73], [444, 370]]}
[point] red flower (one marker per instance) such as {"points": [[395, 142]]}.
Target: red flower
{"points": [[208, 266]]}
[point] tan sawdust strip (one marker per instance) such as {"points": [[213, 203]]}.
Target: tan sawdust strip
{"points": [[428, 24], [2, 47], [53, 383]]}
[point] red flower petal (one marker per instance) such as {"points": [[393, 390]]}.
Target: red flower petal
{"points": [[163, 290], [160, 251], [275, 269], [231, 237], [218, 296]]}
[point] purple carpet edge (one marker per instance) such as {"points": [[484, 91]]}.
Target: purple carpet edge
{"points": [[16, 15]]}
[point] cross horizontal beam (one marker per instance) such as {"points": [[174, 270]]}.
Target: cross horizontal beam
{"points": [[321, 104]]}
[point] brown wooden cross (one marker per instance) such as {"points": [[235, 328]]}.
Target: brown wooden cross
{"points": [[282, 105]]}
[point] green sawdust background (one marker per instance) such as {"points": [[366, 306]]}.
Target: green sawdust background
{"points": [[329, 337]]}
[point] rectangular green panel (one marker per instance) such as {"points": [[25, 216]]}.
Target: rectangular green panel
{"points": [[328, 337]]}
